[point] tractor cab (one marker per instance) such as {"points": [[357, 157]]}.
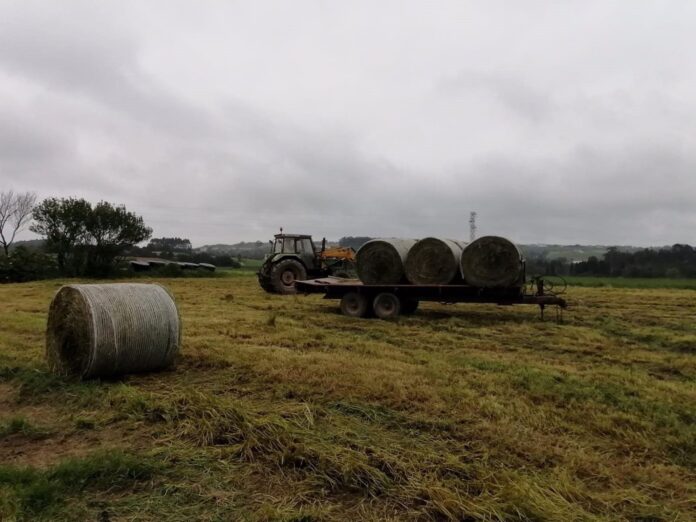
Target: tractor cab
{"points": [[299, 245]]}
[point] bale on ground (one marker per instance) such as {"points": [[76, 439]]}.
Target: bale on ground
{"points": [[434, 261], [381, 261], [108, 330], [492, 262]]}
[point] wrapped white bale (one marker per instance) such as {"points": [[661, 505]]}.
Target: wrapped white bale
{"points": [[492, 262], [381, 261], [434, 261], [113, 329]]}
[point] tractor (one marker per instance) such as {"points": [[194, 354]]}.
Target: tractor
{"points": [[294, 257]]}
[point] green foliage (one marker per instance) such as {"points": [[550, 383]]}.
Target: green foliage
{"points": [[631, 282], [23, 265], [63, 223], [20, 425], [353, 242], [677, 261], [87, 239], [43, 492], [169, 244]]}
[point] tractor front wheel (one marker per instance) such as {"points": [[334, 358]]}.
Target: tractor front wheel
{"points": [[285, 273]]}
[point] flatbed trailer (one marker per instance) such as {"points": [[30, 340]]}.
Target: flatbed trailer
{"points": [[389, 301]]}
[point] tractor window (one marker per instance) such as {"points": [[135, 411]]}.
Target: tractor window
{"points": [[288, 246], [278, 246], [307, 247]]}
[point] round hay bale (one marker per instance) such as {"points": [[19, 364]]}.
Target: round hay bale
{"points": [[433, 261], [381, 261], [113, 329], [492, 262]]}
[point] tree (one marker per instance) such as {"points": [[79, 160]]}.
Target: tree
{"points": [[111, 230], [169, 244], [63, 222], [353, 242], [15, 213], [87, 240]]}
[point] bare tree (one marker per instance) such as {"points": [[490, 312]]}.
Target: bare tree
{"points": [[15, 214]]}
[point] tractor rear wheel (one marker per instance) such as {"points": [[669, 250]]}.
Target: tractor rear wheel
{"points": [[386, 306], [354, 304], [266, 285], [284, 274]]}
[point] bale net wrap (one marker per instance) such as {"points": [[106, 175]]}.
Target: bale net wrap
{"points": [[434, 261], [492, 262], [113, 329], [381, 261]]}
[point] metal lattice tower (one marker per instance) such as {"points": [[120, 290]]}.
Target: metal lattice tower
{"points": [[472, 227]]}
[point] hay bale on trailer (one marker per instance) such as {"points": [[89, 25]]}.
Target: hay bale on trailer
{"points": [[492, 262], [434, 261], [381, 261], [108, 330]]}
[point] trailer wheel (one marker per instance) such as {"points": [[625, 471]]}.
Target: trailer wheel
{"points": [[409, 306], [354, 304], [386, 306]]}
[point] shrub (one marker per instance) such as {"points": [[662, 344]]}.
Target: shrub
{"points": [[25, 265]]}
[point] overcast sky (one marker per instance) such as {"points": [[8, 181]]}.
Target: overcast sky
{"points": [[557, 121]]}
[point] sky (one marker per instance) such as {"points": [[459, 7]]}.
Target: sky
{"points": [[566, 121]]}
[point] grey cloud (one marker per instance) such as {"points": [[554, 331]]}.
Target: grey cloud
{"points": [[229, 151], [24, 142], [513, 93]]}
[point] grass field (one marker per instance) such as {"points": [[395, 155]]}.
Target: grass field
{"points": [[282, 409], [631, 282]]}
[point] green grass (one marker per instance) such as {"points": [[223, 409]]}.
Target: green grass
{"points": [[252, 264], [32, 494], [280, 408], [631, 282], [21, 426]]}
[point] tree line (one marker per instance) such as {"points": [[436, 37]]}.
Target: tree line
{"points": [[81, 239], [676, 261], [85, 239]]}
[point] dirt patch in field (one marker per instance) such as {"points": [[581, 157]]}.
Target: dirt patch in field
{"points": [[41, 452], [7, 399], [51, 436]]}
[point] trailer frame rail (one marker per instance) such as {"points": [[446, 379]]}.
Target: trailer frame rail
{"points": [[337, 288]]}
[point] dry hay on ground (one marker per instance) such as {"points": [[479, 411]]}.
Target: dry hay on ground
{"points": [[464, 413]]}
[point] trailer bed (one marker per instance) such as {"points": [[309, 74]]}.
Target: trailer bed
{"points": [[338, 288]]}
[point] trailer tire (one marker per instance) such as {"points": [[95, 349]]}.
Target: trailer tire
{"points": [[354, 304], [409, 306], [386, 306]]}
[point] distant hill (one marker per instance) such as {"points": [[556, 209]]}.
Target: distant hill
{"points": [[31, 244], [572, 253], [569, 252], [250, 250], [225, 249]]}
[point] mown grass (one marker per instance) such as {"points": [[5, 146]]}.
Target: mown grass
{"points": [[33, 494], [21, 426], [282, 409], [631, 282]]}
